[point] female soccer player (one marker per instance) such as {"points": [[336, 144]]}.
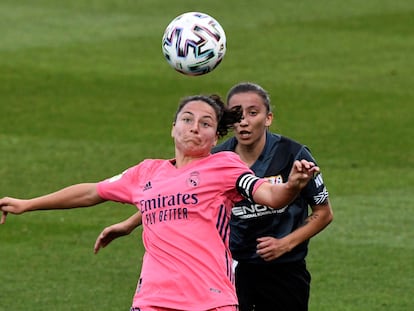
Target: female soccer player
{"points": [[185, 205], [271, 245]]}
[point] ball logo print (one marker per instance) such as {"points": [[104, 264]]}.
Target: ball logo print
{"points": [[194, 43]]}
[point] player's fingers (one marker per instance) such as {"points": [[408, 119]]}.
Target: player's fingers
{"points": [[3, 217], [298, 165], [266, 255], [308, 164], [96, 247], [262, 239], [261, 245], [99, 243], [315, 169]]}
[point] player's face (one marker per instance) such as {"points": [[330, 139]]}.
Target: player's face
{"points": [[195, 130], [252, 128]]}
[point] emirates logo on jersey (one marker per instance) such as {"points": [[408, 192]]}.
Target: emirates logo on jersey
{"points": [[194, 179]]}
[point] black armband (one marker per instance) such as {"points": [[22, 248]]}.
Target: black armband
{"points": [[245, 185]]}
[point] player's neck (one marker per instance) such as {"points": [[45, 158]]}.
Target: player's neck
{"points": [[250, 153]]}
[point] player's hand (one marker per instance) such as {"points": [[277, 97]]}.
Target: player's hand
{"points": [[270, 248], [109, 234], [302, 171], [11, 205]]}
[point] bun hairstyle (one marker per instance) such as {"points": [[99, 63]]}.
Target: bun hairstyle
{"points": [[225, 117]]}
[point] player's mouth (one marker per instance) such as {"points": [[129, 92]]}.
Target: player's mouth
{"points": [[244, 134], [193, 141]]}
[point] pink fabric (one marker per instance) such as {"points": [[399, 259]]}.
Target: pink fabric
{"points": [[225, 308], [185, 213]]}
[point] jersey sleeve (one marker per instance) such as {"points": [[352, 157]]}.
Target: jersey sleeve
{"points": [[315, 191], [238, 177], [247, 184], [118, 187]]}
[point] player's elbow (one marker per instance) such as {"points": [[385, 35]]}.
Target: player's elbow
{"points": [[328, 215]]}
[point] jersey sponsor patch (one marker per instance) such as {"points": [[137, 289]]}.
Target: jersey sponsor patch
{"points": [[275, 179], [247, 211]]}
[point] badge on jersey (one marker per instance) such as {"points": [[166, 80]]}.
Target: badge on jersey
{"points": [[194, 179], [275, 179]]}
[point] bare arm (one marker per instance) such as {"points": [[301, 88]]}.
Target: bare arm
{"points": [[80, 195], [117, 230], [270, 248], [280, 195]]}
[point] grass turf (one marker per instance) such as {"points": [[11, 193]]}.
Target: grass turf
{"points": [[85, 92]]}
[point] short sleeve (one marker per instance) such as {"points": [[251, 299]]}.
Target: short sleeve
{"points": [[315, 191], [117, 188], [247, 184]]}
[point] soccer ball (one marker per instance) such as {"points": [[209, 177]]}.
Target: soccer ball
{"points": [[194, 43]]}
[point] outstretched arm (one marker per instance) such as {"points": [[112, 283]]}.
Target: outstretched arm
{"points": [[280, 195], [117, 230], [80, 195]]}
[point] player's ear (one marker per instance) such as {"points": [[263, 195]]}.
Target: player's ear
{"points": [[172, 129], [215, 140], [269, 119]]}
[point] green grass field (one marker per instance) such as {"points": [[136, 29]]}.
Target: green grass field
{"points": [[85, 93]]}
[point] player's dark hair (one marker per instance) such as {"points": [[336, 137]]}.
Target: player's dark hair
{"points": [[245, 87], [225, 117]]}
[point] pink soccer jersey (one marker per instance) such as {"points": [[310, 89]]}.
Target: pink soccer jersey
{"points": [[185, 216]]}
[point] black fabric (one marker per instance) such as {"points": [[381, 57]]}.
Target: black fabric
{"points": [[280, 287], [282, 284]]}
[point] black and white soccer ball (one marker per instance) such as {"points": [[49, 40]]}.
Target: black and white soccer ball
{"points": [[194, 43]]}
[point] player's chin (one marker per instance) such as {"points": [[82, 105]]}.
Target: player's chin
{"points": [[247, 141]]}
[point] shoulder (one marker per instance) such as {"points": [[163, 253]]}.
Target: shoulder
{"points": [[147, 166], [147, 163], [152, 162], [227, 158], [292, 146], [227, 145], [276, 140], [291, 142], [226, 161], [295, 149]]}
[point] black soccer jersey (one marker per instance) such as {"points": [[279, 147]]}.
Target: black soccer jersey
{"points": [[250, 221]]}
